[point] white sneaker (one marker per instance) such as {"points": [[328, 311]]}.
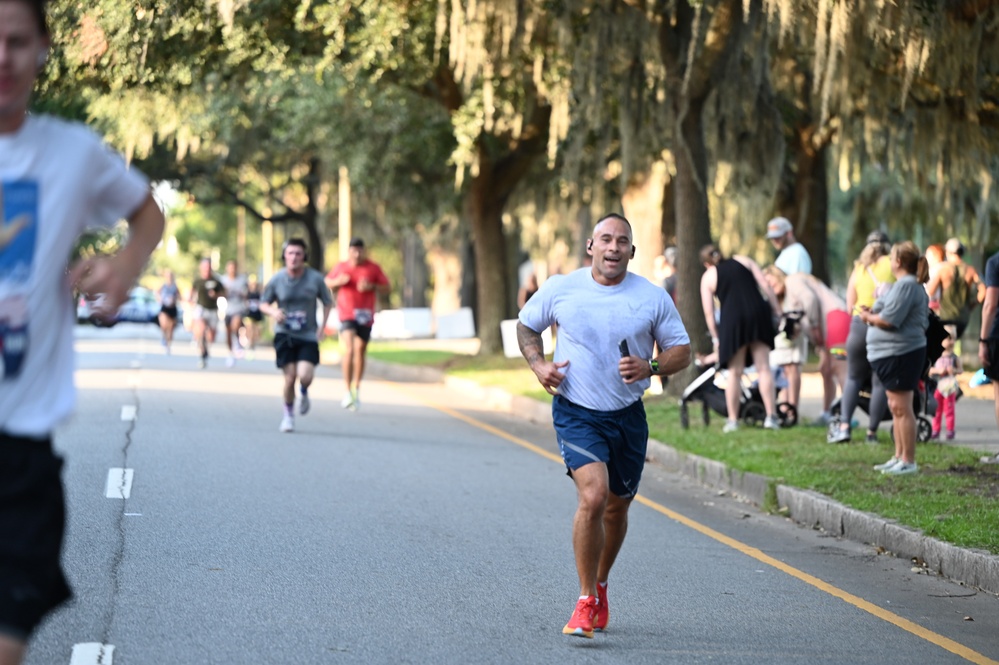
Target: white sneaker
{"points": [[887, 465], [304, 404], [347, 401], [901, 469], [730, 426], [771, 422], [287, 424]]}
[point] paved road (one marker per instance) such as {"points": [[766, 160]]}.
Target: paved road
{"points": [[423, 529]]}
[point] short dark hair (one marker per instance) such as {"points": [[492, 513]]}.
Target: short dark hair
{"points": [[357, 241], [297, 242]]}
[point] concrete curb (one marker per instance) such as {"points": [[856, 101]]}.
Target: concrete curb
{"points": [[970, 567]]}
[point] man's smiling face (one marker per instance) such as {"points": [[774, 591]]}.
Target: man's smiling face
{"points": [[611, 250]]}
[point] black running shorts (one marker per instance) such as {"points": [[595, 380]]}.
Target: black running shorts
{"points": [[32, 524], [288, 349]]}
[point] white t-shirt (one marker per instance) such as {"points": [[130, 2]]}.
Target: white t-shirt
{"points": [[56, 179], [794, 259], [592, 320]]}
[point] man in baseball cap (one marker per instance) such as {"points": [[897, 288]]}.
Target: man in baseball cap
{"points": [[789, 353]]}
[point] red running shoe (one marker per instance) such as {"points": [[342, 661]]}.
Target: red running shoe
{"points": [[603, 611], [581, 623]]}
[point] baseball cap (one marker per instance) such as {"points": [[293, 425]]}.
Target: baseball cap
{"points": [[877, 238], [356, 242], [953, 246], [777, 227]]}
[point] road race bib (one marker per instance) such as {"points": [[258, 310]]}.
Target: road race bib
{"points": [[295, 321], [364, 317]]}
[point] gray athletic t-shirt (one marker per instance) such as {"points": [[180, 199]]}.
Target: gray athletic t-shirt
{"points": [[592, 320], [297, 299], [906, 306]]}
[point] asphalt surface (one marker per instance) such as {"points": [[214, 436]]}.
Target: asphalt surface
{"points": [[428, 527]]}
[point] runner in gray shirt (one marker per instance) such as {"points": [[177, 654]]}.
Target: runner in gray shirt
{"points": [[290, 298]]}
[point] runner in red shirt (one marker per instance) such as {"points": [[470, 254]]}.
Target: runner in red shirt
{"points": [[356, 283]]}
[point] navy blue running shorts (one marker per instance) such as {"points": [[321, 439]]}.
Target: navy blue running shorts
{"points": [[618, 439], [32, 525]]}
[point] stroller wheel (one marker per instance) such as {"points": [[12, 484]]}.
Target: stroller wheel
{"points": [[923, 429], [787, 413], [684, 416], [753, 414]]}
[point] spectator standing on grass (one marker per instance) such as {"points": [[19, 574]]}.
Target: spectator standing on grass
{"points": [[935, 257], [744, 334], [959, 286], [988, 340], [793, 259], [896, 348], [872, 275], [946, 369], [527, 290], [608, 321], [56, 178], [357, 283], [824, 321], [665, 271]]}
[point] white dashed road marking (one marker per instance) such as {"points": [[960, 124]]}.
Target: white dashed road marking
{"points": [[92, 653], [119, 484]]}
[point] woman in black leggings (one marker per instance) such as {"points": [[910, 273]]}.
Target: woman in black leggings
{"points": [[871, 275]]}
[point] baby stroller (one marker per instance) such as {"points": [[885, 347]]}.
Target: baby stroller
{"points": [[705, 389], [922, 403]]}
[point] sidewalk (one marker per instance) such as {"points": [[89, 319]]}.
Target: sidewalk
{"points": [[976, 428]]}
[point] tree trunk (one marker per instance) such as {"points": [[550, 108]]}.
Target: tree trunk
{"points": [[414, 266], [811, 201], [693, 229], [486, 216]]}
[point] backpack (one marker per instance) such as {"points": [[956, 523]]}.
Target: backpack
{"points": [[936, 333]]}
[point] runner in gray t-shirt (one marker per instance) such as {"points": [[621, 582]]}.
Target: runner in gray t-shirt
{"points": [[290, 298], [608, 323]]}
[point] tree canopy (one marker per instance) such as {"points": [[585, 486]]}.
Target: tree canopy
{"points": [[513, 124]]}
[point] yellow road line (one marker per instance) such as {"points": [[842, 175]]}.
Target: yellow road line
{"points": [[909, 626]]}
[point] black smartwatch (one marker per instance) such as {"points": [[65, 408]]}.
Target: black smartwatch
{"points": [[654, 366]]}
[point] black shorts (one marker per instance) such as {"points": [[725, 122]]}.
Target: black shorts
{"points": [[255, 315], [901, 373], [32, 525], [288, 349], [992, 370], [170, 311], [363, 332]]}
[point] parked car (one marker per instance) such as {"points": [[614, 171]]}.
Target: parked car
{"points": [[140, 307]]}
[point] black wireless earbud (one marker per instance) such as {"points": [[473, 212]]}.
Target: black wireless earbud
{"points": [[589, 244], [632, 251]]}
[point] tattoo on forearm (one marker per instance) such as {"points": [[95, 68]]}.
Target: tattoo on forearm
{"points": [[530, 344]]}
